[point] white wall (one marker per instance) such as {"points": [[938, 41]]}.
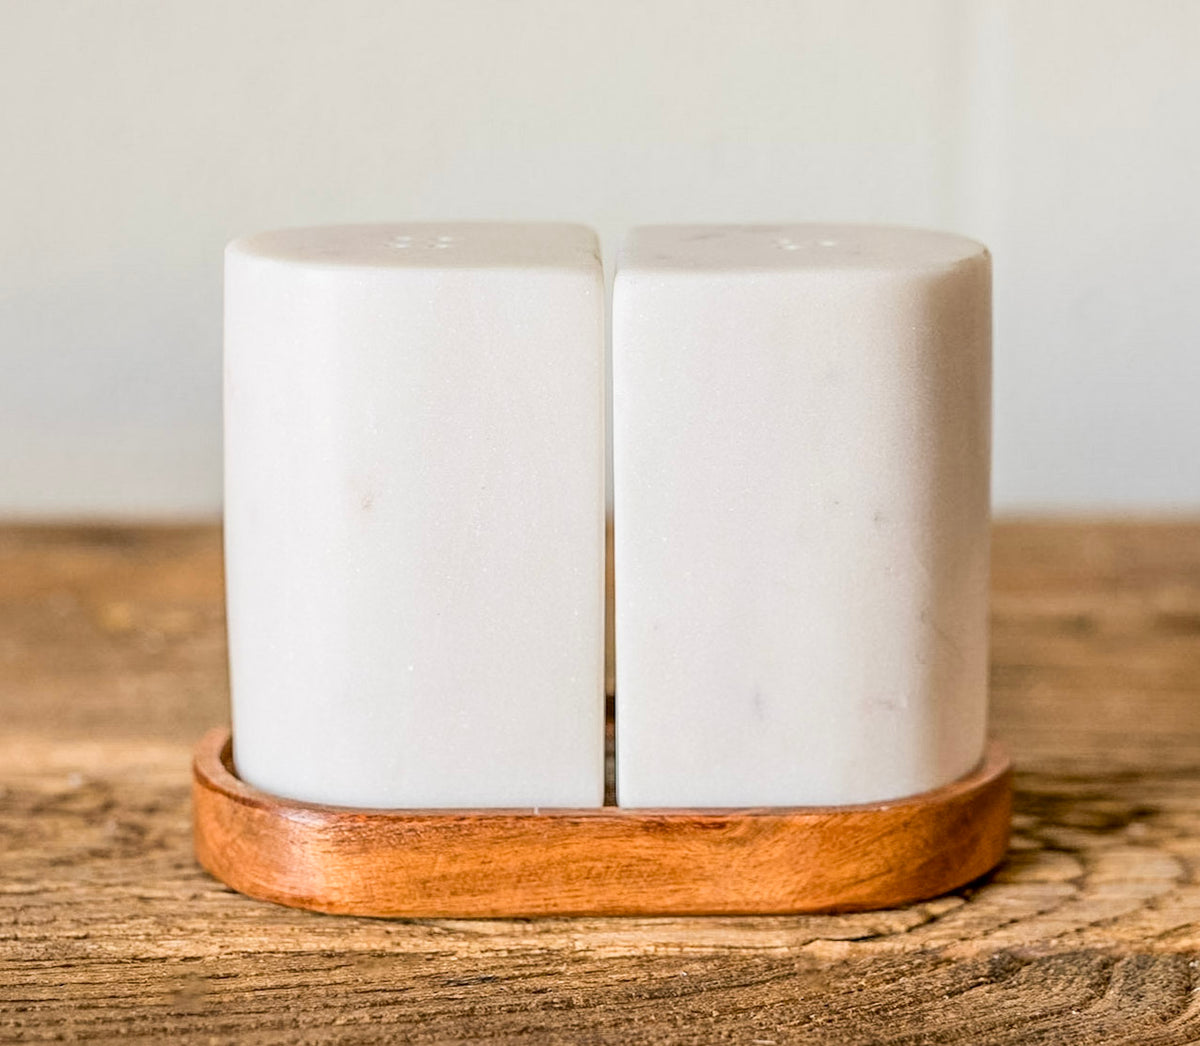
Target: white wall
{"points": [[137, 136]]}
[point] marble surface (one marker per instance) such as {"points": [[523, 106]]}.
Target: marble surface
{"points": [[415, 514], [801, 432]]}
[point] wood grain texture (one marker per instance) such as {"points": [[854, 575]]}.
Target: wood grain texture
{"points": [[603, 861], [112, 667]]}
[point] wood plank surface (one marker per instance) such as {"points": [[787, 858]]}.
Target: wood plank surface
{"points": [[112, 666]]}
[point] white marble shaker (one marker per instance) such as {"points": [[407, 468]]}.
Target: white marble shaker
{"points": [[801, 432], [414, 482]]}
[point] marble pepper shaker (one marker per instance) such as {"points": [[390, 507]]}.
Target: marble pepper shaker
{"points": [[415, 514], [801, 489]]}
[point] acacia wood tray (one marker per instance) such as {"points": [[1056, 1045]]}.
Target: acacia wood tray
{"points": [[604, 861]]}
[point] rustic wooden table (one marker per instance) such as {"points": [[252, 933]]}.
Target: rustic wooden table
{"points": [[112, 665]]}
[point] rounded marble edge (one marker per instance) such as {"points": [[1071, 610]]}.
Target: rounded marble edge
{"points": [[401, 246], [844, 249]]}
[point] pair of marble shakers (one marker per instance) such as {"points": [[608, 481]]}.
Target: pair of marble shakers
{"points": [[415, 513]]}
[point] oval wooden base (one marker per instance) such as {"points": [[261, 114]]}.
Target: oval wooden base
{"points": [[606, 861]]}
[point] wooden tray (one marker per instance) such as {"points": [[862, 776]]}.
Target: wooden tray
{"points": [[604, 861]]}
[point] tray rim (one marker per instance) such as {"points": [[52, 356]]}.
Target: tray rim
{"points": [[214, 759]]}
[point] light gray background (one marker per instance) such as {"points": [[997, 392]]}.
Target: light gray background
{"points": [[137, 136]]}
